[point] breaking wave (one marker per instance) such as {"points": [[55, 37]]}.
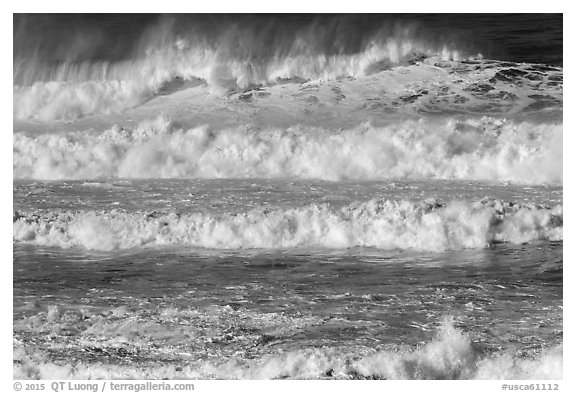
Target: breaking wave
{"points": [[378, 223], [234, 56], [476, 149]]}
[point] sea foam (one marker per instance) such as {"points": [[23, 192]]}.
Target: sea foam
{"points": [[450, 355], [474, 149], [378, 223]]}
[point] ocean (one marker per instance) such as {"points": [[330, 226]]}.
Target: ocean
{"points": [[288, 196]]}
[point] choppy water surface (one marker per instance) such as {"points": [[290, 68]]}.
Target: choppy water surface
{"points": [[323, 197], [306, 312]]}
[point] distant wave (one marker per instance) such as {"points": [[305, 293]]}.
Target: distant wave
{"points": [[475, 149], [235, 56], [378, 223]]}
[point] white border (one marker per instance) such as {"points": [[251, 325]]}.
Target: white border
{"points": [[300, 6]]}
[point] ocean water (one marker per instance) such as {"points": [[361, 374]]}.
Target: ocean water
{"points": [[288, 196]]}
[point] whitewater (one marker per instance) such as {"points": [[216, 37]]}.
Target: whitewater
{"points": [[267, 198]]}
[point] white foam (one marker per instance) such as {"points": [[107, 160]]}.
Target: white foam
{"points": [[378, 223], [473, 149], [73, 100]]}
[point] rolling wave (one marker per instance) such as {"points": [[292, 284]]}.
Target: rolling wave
{"points": [[235, 56], [378, 223]]}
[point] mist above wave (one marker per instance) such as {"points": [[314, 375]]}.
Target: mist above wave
{"points": [[243, 50]]}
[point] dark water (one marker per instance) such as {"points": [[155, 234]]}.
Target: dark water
{"points": [[504, 297], [533, 38]]}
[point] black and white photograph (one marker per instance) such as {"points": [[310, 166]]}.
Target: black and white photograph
{"points": [[300, 196]]}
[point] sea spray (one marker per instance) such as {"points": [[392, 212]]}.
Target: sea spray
{"points": [[238, 53]]}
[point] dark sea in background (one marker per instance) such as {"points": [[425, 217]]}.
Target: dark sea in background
{"points": [[532, 38], [288, 196]]}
